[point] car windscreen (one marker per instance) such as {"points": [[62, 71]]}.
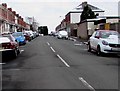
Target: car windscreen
{"points": [[106, 34]]}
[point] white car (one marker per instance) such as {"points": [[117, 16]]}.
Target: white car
{"points": [[8, 46], [62, 34], [104, 41]]}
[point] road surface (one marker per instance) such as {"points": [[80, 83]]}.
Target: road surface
{"points": [[50, 63]]}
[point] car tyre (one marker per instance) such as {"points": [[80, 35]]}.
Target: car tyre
{"points": [[89, 47], [99, 53], [15, 53], [18, 51]]}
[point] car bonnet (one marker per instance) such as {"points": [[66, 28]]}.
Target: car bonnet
{"points": [[112, 39]]}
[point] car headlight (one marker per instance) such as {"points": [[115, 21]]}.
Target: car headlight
{"points": [[105, 42]]}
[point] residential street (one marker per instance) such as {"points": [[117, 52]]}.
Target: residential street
{"points": [[50, 63]]}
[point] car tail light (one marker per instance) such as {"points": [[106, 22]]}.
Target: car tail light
{"points": [[105, 42], [8, 45]]}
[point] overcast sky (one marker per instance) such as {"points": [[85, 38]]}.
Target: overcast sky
{"points": [[51, 12]]}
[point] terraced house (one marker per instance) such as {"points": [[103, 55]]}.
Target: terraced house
{"points": [[10, 21]]}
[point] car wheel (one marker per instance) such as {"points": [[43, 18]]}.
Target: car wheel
{"points": [[99, 53], [18, 51], [15, 53], [89, 47]]}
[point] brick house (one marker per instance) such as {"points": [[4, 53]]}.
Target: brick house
{"points": [[9, 20]]}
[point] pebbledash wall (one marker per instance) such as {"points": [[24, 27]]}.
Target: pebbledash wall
{"points": [[10, 21]]}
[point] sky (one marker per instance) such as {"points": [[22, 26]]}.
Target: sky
{"points": [[51, 12]]}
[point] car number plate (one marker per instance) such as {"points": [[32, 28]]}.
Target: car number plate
{"points": [[116, 49]]}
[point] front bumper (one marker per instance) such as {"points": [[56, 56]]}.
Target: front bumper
{"points": [[108, 49]]}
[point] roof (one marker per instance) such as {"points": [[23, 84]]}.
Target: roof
{"points": [[109, 17], [79, 8]]}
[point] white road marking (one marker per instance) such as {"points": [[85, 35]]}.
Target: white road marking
{"points": [[86, 43], [62, 60], [85, 49], [52, 49], [86, 84], [21, 51], [78, 44], [12, 69], [2, 63], [48, 43], [72, 39]]}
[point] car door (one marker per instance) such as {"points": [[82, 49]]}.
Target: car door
{"points": [[92, 39], [96, 40]]}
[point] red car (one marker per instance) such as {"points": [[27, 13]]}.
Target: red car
{"points": [[27, 36], [8, 46]]}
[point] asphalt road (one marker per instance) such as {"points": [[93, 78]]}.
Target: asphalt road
{"points": [[50, 63]]}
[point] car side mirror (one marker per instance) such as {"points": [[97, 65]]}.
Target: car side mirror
{"points": [[97, 37]]}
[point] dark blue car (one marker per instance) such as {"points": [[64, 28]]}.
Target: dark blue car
{"points": [[20, 38]]}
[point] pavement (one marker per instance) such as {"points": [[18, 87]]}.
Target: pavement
{"points": [[84, 41]]}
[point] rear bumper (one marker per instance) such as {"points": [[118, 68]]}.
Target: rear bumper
{"points": [[22, 42], [63, 37], [6, 50]]}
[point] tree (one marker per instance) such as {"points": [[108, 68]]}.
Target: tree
{"points": [[87, 13]]}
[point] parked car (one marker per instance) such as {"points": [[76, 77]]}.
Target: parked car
{"points": [[27, 36], [8, 46], [30, 32], [34, 34], [62, 34], [37, 34], [104, 41], [20, 38]]}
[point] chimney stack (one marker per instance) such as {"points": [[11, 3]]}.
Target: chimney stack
{"points": [[4, 4]]}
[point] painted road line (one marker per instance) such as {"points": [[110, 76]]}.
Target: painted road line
{"points": [[12, 69], [2, 63], [52, 49], [85, 49], [62, 60], [21, 51], [86, 84], [78, 44], [72, 39], [48, 43], [85, 43]]}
